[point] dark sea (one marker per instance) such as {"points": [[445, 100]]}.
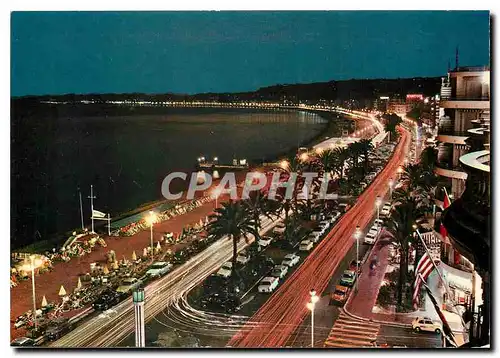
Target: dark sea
{"points": [[57, 151]]}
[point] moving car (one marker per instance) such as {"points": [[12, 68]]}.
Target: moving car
{"points": [[22, 342], [291, 260], [305, 245], [348, 278], [128, 285], [226, 269], [370, 238], [268, 284], [265, 241], [106, 300], [340, 294], [159, 269], [279, 271], [426, 324]]}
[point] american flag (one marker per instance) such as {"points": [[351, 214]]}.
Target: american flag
{"points": [[422, 272]]}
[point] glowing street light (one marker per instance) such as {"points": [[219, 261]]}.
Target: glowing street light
{"points": [[151, 220], [357, 236], [284, 164], [378, 202], [304, 157], [215, 194], [391, 186], [34, 263], [310, 305]]}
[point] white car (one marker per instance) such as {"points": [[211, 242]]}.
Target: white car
{"points": [[290, 260], [386, 210], [226, 269], [279, 271], [268, 284], [159, 269], [128, 285], [305, 245], [313, 237], [379, 222], [242, 258], [426, 324], [320, 230], [325, 223], [265, 241], [370, 238]]}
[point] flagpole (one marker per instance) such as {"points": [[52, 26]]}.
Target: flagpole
{"points": [[81, 208], [92, 206], [109, 225], [441, 278]]}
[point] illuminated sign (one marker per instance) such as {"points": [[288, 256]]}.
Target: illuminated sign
{"points": [[415, 97], [384, 97]]}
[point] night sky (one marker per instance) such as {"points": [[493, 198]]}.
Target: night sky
{"points": [[182, 52]]}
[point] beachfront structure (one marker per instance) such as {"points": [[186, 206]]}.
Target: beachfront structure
{"points": [[467, 220], [140, 333], [465, 98]]}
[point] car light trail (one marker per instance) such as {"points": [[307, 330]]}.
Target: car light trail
{"points": [[276, 320]]}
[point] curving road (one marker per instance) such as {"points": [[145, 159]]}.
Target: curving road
{"points": [[109, 330], [276, 320]]}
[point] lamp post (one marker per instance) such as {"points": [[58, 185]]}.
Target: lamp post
{"points": [[357, 236], [378, 202], [215, 194], [310, 305], [391, 186], [151, 219], [32, 260]]}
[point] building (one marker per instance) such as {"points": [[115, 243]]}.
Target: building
{"points": [[466, 142], [413, 100], [398, 106], [465, 99], [381, 104]]}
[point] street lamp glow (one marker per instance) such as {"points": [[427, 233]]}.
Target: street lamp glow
{"points": [[215, 194], [319, 150], [311, 305], [304, 157], [391, 186], [357, 236], [216, 159], [151, 219], [378, 202]]}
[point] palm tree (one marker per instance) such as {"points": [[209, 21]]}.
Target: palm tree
{"points": [[400, 225], [340, 157], [258, 205], [428, 158], [365, 147], [234, 220]]}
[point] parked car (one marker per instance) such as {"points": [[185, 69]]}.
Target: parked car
{"points": [[348, 278], [159, 269], [279, 271], [379, 222], [57, 329], [291, 260], [353, 266], [268, 284], [106, 300], [128, 285], [180, 257], [22, 342], [314, 238], [386, 210], [265, 241], [325, 223], [305, 245], [226, 269], [339, 295], [229, 303], [426, 324], [242, 258], [370, 238]]}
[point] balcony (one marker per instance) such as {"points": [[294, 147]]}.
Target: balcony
{"points": [[451, 136], [449, 171], [464, 102]]}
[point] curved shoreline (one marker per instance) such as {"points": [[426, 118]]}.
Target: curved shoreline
{"points": [[330, 127]]}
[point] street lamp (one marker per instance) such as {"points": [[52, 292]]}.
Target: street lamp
{"points": [[152, 218], [357, 236], [391, 186], [310, 305], [215, 195], [378, 202], [34, 263]]}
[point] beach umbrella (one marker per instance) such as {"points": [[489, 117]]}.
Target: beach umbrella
{"points": [[44, 301], [105, 270], [145, 252], [134, 256], [158, 247], [206, 220], [79, 284], [201, 222], [62, 291], [115, 265]]}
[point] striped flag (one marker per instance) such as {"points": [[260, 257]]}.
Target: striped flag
{"points": [[448, 334], [422, 272]]}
